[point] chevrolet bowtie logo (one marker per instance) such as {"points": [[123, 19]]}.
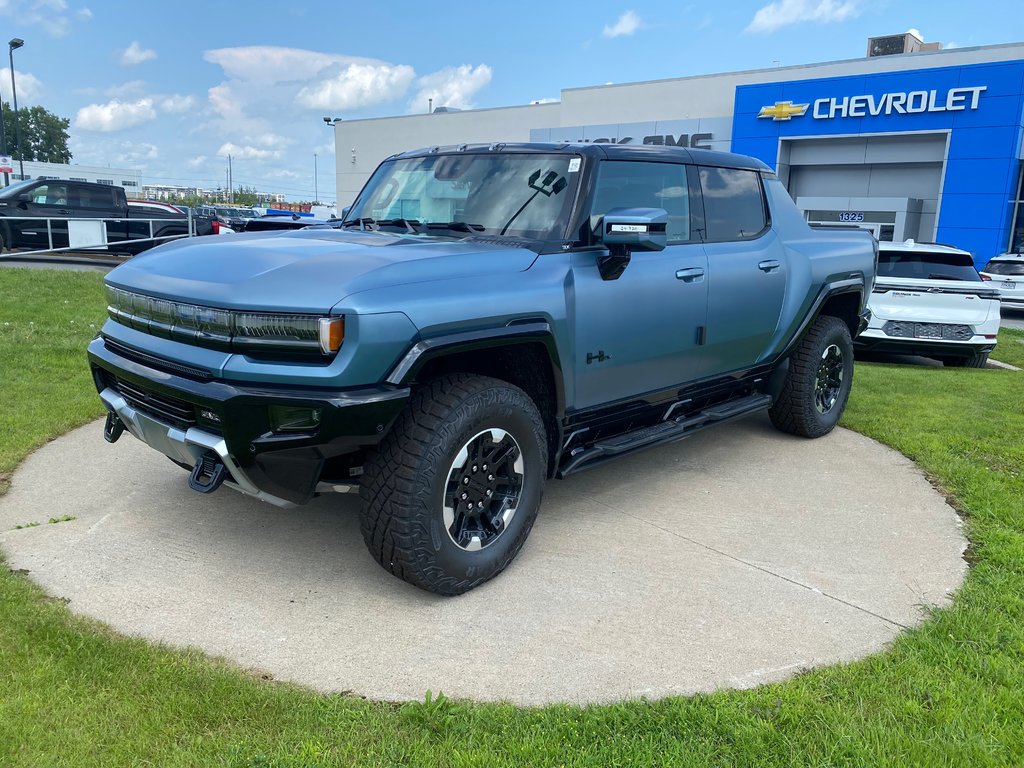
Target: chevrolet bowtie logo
{"points": [[783, 110]]}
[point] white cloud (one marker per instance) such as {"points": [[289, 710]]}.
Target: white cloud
{"points": [[271, 64], [951, 45], [176, 103], [545, 100], [29, 86], [627, 24], [115, 115], [247, 152], [136, 54], [196, 162], [357, 86], [450, 87], [783, 13], [223, 102], [84, 14], [51, 15], [916, 33]]}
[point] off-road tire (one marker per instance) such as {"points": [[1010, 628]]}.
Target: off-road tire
{"points": [[404, 482], [794, 410], [977, 360]]}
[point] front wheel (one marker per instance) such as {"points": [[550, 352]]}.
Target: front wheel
{"points": [[817, 384], [452, 492]]}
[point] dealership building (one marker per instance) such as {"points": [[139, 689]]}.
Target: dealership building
{"points": [[908, 142]]}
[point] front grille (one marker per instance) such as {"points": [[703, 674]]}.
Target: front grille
{"points": [[169, 410], [944, 331], [156, 362]]}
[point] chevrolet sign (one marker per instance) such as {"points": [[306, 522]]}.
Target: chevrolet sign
{"points": [[903, 103], [900, 102], [783, 110]]}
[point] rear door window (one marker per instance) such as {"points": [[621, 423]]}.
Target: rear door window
{"points": [[98, 197], [734, 205], [927, 265]]}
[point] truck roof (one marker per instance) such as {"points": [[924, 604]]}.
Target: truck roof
{"points": [[602, 151]]}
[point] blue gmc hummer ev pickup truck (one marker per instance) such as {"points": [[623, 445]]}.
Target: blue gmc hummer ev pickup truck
{"points": [[488, 317]]}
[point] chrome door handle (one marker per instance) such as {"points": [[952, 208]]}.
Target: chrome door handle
{"points": [[691, 275], [768, 265]]}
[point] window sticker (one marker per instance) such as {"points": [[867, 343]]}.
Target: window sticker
{"points": [[574, 165]]}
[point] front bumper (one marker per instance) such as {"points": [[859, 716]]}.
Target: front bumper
{"points": [[171, 410]]}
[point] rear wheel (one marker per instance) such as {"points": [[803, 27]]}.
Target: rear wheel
{"points": [[452, 492], [817, 384], [977, 360]]}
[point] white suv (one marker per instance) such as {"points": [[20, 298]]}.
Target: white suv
{"points": [[930, 300], [1007, 274]]}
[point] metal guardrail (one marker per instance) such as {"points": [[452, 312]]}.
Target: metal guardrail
{"points": [[99, 246]]}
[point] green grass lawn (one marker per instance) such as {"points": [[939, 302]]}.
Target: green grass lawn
{"points": [[1010, 347], [950, 693]]}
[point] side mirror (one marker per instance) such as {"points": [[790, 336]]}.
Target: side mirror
{"points": [[624, 230], [634, 229]]}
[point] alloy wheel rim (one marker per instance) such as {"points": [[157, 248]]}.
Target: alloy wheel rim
{"points": [[828, 381], [483, 489]]}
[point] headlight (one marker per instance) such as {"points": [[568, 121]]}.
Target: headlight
{"points": [[226, 329]]}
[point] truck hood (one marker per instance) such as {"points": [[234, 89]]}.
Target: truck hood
{"points": [[306, 270]]}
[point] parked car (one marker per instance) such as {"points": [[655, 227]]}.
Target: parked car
{"points": [[1006, 272], [270, 222], [34, 214], [487, 318], [214, 223], [930, 300]]}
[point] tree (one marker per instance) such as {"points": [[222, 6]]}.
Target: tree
{"points": [[44, 136]]}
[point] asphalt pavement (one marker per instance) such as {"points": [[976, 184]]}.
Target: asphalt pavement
{"points": [[734, 558]]}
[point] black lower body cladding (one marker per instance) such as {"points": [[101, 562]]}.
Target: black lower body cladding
{"points": [[286, 465]]}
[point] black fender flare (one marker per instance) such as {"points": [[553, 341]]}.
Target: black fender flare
{"points": [[422, 352], [852, 284]]}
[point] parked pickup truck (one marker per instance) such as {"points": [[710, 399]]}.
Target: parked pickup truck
{"points": [[487, 317], [34, 214]]}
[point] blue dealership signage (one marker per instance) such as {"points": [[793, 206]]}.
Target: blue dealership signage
{"points": [[980, 106]]}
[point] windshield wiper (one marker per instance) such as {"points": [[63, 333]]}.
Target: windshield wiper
{"points": [[362, 222], [458, 226], [409, 224]]}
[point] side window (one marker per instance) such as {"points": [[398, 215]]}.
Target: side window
{"points": [[96, 197], [52, 193], [734, 207], [627, 184]]}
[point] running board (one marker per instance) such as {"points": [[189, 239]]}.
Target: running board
{"points": [[665, 432]]}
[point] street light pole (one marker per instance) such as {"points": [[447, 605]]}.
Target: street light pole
{"points": [[3, 142], [16, 42], [316, 184]]}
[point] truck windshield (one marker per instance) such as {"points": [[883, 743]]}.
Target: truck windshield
{"points": [[526, 195]]}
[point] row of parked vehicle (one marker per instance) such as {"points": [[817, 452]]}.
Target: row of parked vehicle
{"points": [[930, 300]]}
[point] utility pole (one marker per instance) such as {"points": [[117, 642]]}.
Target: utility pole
{"points": [[3, 143], [316, 185], [231, 182]]}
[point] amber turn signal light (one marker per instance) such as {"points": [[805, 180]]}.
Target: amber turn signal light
{"points": [[332, 333]]}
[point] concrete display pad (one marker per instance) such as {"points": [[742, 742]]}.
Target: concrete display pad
{"points": [[733, 558]]}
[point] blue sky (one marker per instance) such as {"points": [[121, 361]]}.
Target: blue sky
{"points": [[173, 87]]}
